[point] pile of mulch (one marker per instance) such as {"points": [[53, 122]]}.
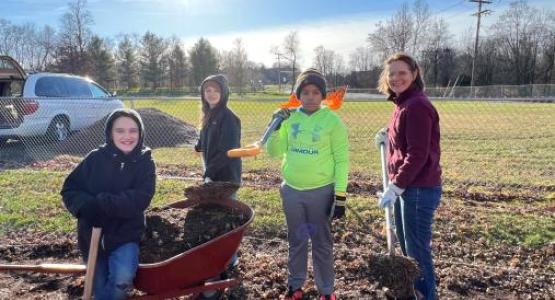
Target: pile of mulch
{"points": [[162, 130], [171, 231], [396, 273], [215, 190]]}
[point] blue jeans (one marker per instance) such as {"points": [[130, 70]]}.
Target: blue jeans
{"points": [[414, 213], [115, 272]]}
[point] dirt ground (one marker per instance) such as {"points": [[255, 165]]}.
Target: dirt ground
{"points": [[465, 270], [467, 266]]}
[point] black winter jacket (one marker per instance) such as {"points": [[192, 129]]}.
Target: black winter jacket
{"points": [[221, 133], [122, 185]]}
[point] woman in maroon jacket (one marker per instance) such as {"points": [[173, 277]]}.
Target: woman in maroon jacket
{"points": [[413, 153]]}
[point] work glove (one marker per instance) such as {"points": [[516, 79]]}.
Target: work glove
{"points": [[381, 137], [389, 196], [207, 180], [337, 210], [283, 114], [92, 213]]}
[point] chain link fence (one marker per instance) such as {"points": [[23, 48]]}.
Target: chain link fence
{"points": [[490, 149], [526, 92]]}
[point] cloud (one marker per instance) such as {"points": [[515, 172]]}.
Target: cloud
{"points": [[342, 36]]}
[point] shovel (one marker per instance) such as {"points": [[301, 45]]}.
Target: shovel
{"points": [[388, 208], [333, 100], [256, 148], [67, 268]]}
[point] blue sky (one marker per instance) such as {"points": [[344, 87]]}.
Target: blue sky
{"points": [[338, 25]]}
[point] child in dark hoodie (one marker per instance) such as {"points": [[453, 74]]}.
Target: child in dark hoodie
{"points": [[111, 188], [220, 132]]}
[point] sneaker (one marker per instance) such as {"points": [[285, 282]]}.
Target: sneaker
{"points": [[294, 294], [328, 297]]}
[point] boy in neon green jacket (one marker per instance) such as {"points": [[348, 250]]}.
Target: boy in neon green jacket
{"points": [[312, 141]]}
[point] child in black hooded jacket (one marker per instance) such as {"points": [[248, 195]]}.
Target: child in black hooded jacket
{"points": [[220, 132], [111, 188]]}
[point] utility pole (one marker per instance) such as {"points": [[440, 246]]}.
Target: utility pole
{"points": [[279, 73], [479, 15], [280, 56]]}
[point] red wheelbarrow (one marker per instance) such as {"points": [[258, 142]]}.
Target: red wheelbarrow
{"points": [[184, 274]]}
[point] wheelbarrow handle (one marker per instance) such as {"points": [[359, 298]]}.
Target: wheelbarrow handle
{"points": [[388, 208]]}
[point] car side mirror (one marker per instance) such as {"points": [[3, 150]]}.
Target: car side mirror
{"points": [[114, 94]]}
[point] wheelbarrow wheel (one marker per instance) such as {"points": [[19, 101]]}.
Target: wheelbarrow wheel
{"points": [[216, 296]]}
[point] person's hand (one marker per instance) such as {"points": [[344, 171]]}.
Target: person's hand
{"points": [[338, 206], [282, 113], [381, 137], [91, 212], [207, 180], [389, 196]]}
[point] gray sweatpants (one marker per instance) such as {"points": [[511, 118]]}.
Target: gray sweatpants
{"points": [[307, 216]]}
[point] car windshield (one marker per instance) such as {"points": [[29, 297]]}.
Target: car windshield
{"points": [[97, 91]]}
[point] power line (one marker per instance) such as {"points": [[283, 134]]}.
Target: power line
{"points": [[448, 8]]}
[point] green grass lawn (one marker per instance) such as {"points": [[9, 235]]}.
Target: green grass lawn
{"points": [[502, 143], [487, 147]]}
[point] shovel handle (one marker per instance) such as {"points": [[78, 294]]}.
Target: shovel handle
{"points": [[388, 209], [256, 148], [248, 151], [91, 263], [46, 268], [271, 128]]}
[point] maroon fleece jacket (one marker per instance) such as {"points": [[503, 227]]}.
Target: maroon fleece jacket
{"points": [[413, 141]]}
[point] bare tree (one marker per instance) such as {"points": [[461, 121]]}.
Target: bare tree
{"points": [[75, 34], [422, 14], [435, 51], [360, 59], [547, 64], [518, 34], [6, 35], [324, 60], [46, 43], [291, 51], [395, 34], [235, 65]]}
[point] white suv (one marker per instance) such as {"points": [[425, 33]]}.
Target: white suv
{"points": [[48, 104]]}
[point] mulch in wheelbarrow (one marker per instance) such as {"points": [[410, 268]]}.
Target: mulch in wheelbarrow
{"points": [[171, 231]]}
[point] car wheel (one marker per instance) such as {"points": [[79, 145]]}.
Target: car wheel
{"points": [[58, 130]]}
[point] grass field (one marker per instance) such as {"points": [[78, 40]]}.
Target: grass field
{"points": [[496, 221], [503, 143], [490, 150]]}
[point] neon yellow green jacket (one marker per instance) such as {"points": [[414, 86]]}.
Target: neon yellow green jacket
{"points": [[314, 149]]}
